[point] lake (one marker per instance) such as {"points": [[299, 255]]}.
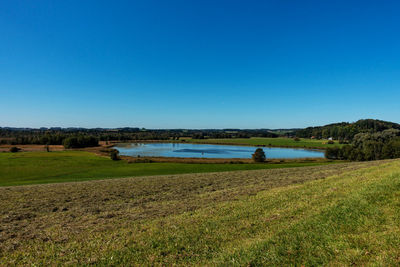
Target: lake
{"points": [[211, 151]]}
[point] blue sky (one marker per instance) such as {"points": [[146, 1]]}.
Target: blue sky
{"points": [[198, 64]]}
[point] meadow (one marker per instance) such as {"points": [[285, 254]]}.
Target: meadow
{"points": [[275, 142], [338, 214], [69, 166]]}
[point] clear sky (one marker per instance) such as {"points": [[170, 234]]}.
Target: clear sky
{"points": [[198, 64]]}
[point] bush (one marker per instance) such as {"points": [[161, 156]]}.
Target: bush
{"points": [[259, 155], [331, 142], [332, 153], [296, 139], [14, 149], [114, 155], [80, 141], [70, 142]]}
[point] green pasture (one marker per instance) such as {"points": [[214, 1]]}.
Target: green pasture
{"points": [[275, 142], [67, 166]]}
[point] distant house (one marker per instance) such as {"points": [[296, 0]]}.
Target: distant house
{"points": [[330, 138], [312, 137]]}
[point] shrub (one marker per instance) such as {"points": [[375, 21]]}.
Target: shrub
{"points": [[330, 142], [259, 155], [296, 139], [332, 153], [14, 149], [80, 141], [70, 142], [114, 155]]}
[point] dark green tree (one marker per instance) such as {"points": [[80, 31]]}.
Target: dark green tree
{"points": [[259, 155], [114, 154], [332, 153], [14, 149]]}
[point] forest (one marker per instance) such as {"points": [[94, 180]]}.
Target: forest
{"points": [[369, 146], [344, 131]]}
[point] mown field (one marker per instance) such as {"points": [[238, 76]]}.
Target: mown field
{"points": [[66, 166], [275, 142], [339, 214]]}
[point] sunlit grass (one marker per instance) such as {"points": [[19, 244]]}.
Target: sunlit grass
{"points": [[275, 142], [66, 166], [346, 219]]}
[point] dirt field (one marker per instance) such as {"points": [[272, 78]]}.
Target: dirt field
{"points": [[31, 148], [37, 216]]}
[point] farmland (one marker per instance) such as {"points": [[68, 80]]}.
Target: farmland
{"points": [[67, 166], [339, 214], [199, 133], [275, 142]]}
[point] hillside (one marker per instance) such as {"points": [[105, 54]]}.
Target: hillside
{"points": [[345, 130], [338, 214]]}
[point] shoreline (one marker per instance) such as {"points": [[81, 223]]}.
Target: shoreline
{"points": [[104, 149], [132, 159], [212, 143]]}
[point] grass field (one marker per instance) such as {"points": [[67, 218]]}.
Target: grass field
{"points": [[337, 215], [276, 142], [66, 166]]}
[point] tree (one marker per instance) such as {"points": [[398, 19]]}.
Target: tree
{"points": [[259, 155], [70, 142], [14, 149], [332, 153], [80, 141], [114, 154]]}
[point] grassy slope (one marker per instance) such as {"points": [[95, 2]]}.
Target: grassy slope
{"points": [[42, 167], [352, 219], [276, 142], [348, 219]]}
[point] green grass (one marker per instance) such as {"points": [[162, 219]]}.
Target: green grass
{"points": [[67, 166], [348, 219], [352, 219], [276, 142]]}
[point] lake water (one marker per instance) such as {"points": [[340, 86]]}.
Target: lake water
{"points": [[210, 151]]}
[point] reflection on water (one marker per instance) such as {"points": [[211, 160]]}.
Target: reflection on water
{"points": [[210, 151]]}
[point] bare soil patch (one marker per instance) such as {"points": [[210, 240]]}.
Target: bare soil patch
{"points": [[31, 148]]}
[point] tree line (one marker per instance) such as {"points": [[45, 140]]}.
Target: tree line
{"points": [[80, 141], [369, 146], [344, 131], [56, 136]]}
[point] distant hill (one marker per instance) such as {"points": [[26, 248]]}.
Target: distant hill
{"points": [[346, 130]]}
